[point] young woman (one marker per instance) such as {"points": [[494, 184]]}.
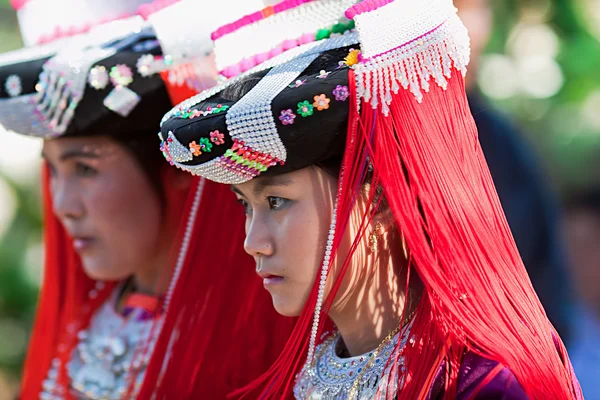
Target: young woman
{"points": [[368, 201], [142, 295]]}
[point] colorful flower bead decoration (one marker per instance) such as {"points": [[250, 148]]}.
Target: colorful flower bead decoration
{"points": [[98, 77], [341, 93], [144, 65], [206, 144], [191, 114], [323, 74], [321, 102], [121, 75], [287, 117], [13, 85], [244, 160], [164, 147], [196, 149], [297, 84], [217, 137], [352, 58], [336, 29], [305, 108]]}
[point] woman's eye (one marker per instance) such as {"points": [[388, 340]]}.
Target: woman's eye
{"points": [[84, 170], [276, 203], [244, 204]]}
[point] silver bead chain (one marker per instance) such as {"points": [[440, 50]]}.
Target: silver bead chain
{"points": [[185, 244]]}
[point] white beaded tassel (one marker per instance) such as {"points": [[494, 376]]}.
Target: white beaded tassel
{"points": [[322, 284], [185, 244], [412, 64]]}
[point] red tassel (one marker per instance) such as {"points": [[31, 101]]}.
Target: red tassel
{"points": [[477, 295]]}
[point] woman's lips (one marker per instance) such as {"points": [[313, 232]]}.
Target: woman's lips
{"points": [[271, 280], [82, 243]]}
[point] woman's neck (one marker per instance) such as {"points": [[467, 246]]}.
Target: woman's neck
{"points": [[375, 307], [153, 277]]}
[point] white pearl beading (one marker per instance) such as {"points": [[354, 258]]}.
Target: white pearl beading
{"points": [[251, 120], [399, 22], [38, 18], [322, 284], [62, 81], [413, 63], [189, 37], [255, 124], [185, 244], [319, 47], [263, 35]]}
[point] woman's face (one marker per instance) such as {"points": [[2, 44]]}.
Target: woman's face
{"points": [[287, 224], [106, 203]]}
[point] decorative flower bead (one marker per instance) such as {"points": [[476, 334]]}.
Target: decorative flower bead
{"points": [[321, 102], [217, 138], [195, 114], [298, 83], [144, 65], [98, 77], [206, 144], [323, 74], [352, 57], [121, 75], [341, 93], [195, 148], [287, 117], [305, 108], [13, 85], [165, 150]]}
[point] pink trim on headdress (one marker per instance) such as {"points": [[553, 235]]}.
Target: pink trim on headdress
{"points": [[64, 32], [252, 61], [365, 6], [145, 10], [17, 4], [257, 16]]}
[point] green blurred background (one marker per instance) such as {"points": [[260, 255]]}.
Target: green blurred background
{"points": [[20, 232], [542, 67]]}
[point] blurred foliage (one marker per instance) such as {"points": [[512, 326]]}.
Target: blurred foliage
{"points": [[568, 147], [18, 289], [567, 144]]}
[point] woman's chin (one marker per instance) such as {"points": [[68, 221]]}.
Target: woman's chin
{"points": [[98, 271], [285, 307]]}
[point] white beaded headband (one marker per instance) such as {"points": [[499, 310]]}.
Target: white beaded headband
{"points": [[256, 38]]}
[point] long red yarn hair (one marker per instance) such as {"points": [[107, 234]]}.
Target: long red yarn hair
{"points": [[220, 329], [476, 295]]}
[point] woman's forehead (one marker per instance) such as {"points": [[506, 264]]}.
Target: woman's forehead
{"points": [[68, 147]]}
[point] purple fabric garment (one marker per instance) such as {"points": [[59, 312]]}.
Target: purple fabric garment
{"points": [[473, 370]]}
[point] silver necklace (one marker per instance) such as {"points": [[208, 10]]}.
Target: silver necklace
{"points": [[331, 377], [105, 355]]}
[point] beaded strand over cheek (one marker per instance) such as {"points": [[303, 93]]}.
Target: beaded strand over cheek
{"points": [[322, 283]]}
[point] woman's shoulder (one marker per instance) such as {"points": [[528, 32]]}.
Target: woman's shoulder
{"points": [[482, 378]]}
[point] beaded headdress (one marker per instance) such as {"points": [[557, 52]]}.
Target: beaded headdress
{"points": [[43, 21], [388, 95], [119, 74], [109, 82], [232, 142]]}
